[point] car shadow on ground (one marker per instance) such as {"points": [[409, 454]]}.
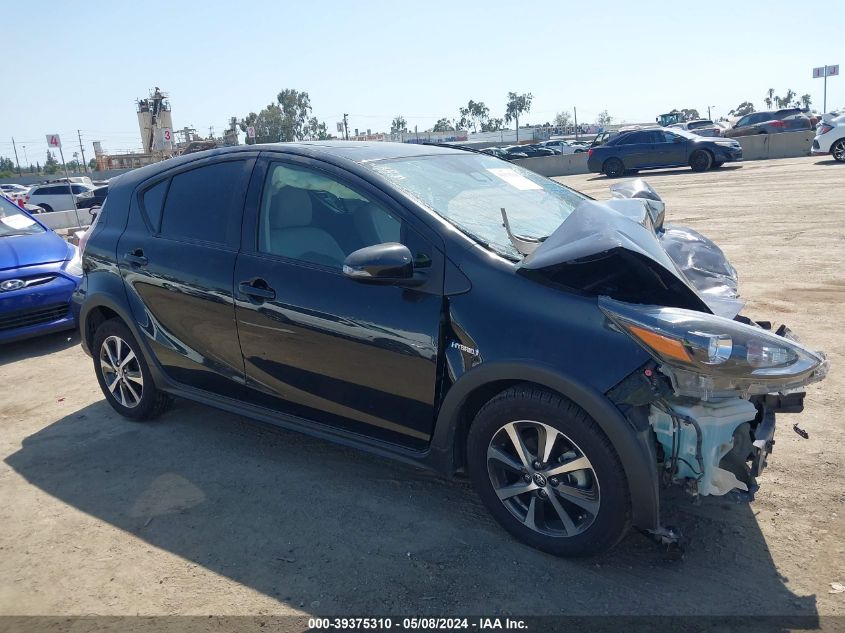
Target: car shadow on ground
{"points": [[829, 161], [330, 530], [659, 173], [39, 346]]}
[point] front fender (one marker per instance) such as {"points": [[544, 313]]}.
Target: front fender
{"points": [[634, 446]]}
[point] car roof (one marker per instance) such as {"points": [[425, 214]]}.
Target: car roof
{"points": [[354, 151]]}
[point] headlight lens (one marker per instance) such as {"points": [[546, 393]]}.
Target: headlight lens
{"points": [[708, 356], [73, 266]]}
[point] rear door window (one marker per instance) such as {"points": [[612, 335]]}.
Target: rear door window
{"points": [[200, 202]]}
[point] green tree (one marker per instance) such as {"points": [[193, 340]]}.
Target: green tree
{"points": [[603, 119], [285, 120], [690, 114], [473, 115], [806, 100], [784, 101], [296, 106], [770, 97], [492, 125], [746, 107], [6, 164], [443, 125], [516, 106], [316, 130], [52, 165], [92, 164], [563, 119], [399, 124]]}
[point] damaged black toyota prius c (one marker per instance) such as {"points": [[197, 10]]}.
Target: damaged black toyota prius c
{"points": [[449, 309]]}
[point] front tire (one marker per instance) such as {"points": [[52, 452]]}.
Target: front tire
{"points": [[613, 168], [124, 375], [837, 150], [547, 473], [700, 160]]}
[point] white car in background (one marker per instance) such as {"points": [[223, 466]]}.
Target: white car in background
{"points": [[58, 196], [562, 146], [830, 137]]}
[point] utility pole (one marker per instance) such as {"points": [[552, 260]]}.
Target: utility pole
{"points": [[345, 127], [84, 164], [210, 131], [575, 110], [16, 156], [25, 158]]}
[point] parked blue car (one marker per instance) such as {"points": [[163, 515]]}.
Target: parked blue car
{"points": [[656, 148], [38, 273]]}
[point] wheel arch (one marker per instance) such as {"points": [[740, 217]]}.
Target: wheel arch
{"points": [[478, 386]]}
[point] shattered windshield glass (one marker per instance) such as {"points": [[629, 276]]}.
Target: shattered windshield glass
{"points": [[470, 191], [15, 222]]}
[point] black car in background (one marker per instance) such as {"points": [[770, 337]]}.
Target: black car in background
{"points": [[445, 308], [97, 198], [771, 122], [657, 148]]}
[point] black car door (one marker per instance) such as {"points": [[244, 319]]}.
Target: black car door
{"points": [[668, 149], [317, 344], [177, 256]]}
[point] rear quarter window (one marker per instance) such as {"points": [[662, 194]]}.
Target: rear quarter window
{"points": [[199, 202]]}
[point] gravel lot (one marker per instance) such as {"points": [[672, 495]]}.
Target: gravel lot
{"points": [[203, 512]]}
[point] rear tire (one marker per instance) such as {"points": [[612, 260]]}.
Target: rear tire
{"points": [[575, 500], [124, 375], [613, 168], [700, 160], [837, 150], [47, 208]]}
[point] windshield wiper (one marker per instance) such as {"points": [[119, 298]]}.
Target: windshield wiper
{"points": [[524, 245]]}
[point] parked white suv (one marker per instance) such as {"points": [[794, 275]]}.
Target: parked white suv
{"points": [[58, 196], [830, 136]]}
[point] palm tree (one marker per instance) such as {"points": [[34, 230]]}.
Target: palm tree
{"points": [[806, 100], [771, 95]]}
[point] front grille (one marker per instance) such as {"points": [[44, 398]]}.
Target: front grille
{"points": [[37, 316]]}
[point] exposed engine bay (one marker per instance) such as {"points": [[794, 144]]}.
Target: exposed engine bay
{"points": [[717, 378]]}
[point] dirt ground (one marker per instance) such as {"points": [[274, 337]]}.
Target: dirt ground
{"points": [[204, 512]]}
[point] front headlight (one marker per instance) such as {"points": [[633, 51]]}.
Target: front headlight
{"points": [[706, 355], [73, 266]]}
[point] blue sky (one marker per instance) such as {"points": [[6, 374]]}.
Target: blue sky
{"points": [[81, 65]]}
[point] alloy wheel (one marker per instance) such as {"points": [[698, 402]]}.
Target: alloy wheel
{"points": [[543, 478], [121, 371], [838, 151]]}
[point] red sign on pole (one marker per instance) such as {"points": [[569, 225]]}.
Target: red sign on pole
{"points": [[54, 141]]}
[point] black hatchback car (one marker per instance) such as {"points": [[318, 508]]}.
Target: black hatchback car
{"points": [[657, 148], [445, 308]]}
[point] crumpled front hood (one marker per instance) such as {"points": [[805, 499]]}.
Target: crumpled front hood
{"points": [[18, 251], [615, 245]]}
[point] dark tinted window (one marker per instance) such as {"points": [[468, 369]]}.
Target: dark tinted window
{"points": [[152, 201], [199, 202], [101, 192], [697, 124], [79, 188], [309, 216]]}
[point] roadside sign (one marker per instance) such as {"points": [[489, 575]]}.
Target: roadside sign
{"points": [[339, 126], [250, 132], [826, 71], [162, 139], [54, 141]]}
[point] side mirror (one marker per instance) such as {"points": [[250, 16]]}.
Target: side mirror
{"points": [[386, 263]]}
